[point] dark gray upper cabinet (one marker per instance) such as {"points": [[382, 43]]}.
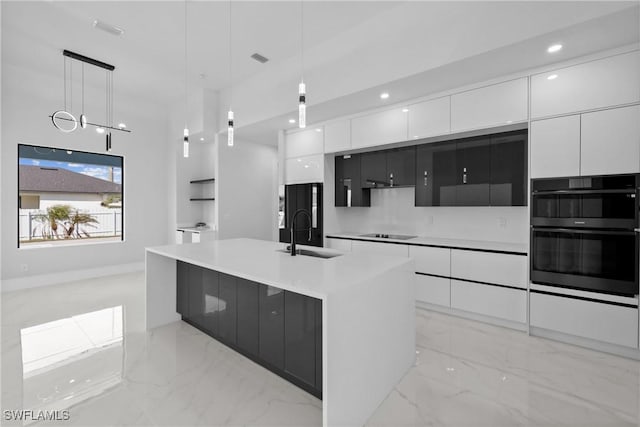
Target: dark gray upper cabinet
{"points": [[481, 171], [401, 166], [272, 326], [473, 167], [248, 316], [435, 175], [373, 170], [509, 169], [348, 188], [227, 308]]}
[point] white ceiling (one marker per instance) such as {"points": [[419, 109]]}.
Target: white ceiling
{"points": [[352, 49]]}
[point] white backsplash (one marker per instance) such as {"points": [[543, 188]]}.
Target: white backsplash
{"points": [[393, 211]]}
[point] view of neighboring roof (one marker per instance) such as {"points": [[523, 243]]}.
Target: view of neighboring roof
{"points": [[49, 180]]}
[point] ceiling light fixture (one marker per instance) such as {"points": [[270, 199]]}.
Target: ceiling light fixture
{"points": [[384, 95], [292, 121], [552, 77], [318, 130], [122, 126], [100, 130], [201, 139], [185, 133], [230, 112], [554, 48], [111, 29], [302, 88], [405, 110]]}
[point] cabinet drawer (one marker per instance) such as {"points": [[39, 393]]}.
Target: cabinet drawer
{"points": [[434, 290], [587, 319], [494, 301], [393, 249], [596, 84], [431, 260], [489, 267], [339, 244]]}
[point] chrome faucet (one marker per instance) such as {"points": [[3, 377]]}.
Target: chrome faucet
{"points": [[293, 229]]}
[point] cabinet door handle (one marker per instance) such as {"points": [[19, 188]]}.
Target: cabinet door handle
{"points": [[426, 180], [391, 179]]}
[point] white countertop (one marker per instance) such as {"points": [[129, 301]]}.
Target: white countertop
{"points": [[437, 241], [259, 261]]}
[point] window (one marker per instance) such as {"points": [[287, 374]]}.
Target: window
{"points": [[68, 196]]}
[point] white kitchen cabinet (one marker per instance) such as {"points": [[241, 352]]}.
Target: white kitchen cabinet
{"points": [[495, 301], [343, 245], [588, 319], [379, 128], [430, 260], [358, 246], [304, 143], [337, 136], [610, 141], [555, 147], [305, 169], [433, 290], [494, 105], [490, 267], [430, 118], [597, 84]]}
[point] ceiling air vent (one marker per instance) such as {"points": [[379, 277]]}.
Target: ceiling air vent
{"points": [[261, 59]]}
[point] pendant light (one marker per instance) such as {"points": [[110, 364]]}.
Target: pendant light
{"points": [[83, 118], [185, 135], [302, 89], [230, 113]]}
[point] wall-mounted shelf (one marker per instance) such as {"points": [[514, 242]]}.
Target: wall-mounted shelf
{"points": [[202, 181], [201, 198]]}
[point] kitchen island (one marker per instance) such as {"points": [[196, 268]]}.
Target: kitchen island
{"points": [[344, 326]]}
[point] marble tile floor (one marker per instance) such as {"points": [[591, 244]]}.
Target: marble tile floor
{"points": [[113, 373]]}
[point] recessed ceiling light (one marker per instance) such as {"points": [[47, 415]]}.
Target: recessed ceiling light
{"points": [[292, 121], [122, 125], [415, 136], [405, 110], [384, 95], [318, 130], [111, 29], [201, 139], [100, 130], [554, 48], [552, 76]]}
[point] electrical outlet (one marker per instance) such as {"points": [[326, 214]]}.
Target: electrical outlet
{"points": [[502, 222], [24, 267]]}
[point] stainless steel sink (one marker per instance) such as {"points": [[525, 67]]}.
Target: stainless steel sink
{"points": [[307, 252]]}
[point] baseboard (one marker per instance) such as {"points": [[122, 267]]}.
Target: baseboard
{"points": [[27, 282], [472, 316], [618, 350]]}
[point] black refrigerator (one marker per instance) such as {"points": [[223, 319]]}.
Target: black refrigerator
{"points": [[308, 197]]}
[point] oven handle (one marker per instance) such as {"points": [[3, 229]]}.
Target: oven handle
{"points": [[583, 231]]}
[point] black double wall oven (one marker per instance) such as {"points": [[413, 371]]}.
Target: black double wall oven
{"points": [[584, 233]]}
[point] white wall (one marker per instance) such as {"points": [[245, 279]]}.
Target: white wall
{"points": [[392, 211], [29, 95], [247, 190]]}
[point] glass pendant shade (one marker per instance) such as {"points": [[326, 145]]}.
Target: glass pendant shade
{"points": [[185, 144], [230, 129], [302, 107]]}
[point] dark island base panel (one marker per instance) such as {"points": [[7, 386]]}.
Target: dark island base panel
{"points": [[279, 330]]}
